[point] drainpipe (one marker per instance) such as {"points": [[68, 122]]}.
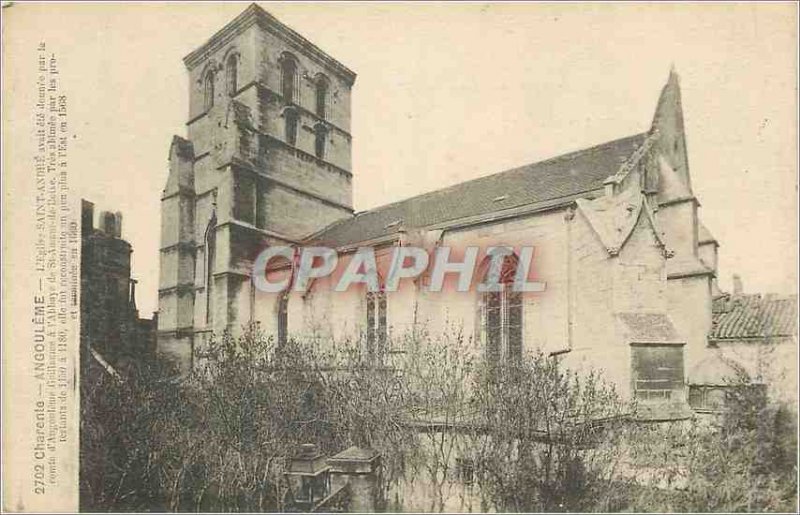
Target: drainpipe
{"points": [[568, 217]]}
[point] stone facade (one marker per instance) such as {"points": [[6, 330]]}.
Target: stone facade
{"points": [[629, 268], [242, 180]]}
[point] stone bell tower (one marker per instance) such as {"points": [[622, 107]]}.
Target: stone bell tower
{"points": [[266, 161]]}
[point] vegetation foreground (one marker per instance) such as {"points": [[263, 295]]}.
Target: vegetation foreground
{"points": [[537, 437]]}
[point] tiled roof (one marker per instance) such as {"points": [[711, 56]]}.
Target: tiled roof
{"points": [[539, 183], [754, 316]]}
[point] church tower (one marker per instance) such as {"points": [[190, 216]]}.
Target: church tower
{"points": [[267, 161]]}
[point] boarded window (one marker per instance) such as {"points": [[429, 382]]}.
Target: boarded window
{"points": [[657, 372]]}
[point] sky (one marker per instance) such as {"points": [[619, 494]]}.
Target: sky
{"points": [[447, 93]]}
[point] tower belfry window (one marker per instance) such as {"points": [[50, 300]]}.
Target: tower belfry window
{"points": [[232, 74], [208, 90], [288, 77], [290, 123], [322, 95], [320, 134]]}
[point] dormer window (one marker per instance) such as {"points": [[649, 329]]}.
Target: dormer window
{"points": [[232, 74]]}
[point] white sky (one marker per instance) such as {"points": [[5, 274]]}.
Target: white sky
{"points": [[446, 93]]}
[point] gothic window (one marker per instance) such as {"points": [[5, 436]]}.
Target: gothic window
{"points": [[232, 74], [283, 318], [376, 322], [322, 95], [657, 372], [208, 90], [288, 77], [320, 133], [290, 120], [501, 316]]}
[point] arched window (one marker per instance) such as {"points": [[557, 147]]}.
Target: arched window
{"points": [[322, 95], [288, 77], [501, 315], [283, 318], [290, 121], [320, 134], [208, 90], [232, 74], [376, 322]]}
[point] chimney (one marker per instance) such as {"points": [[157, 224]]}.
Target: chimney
{"points": [[87, 217], [737, 284], [118, 224]]}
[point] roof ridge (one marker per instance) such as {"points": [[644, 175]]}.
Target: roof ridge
{"points": [[569, 154]]}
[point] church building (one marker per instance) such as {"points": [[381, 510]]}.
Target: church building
{"points": [[629, 268]]}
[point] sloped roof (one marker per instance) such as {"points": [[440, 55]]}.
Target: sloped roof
{"points": [[754, 316], [717, 370], [539, 183], [649, 328], [354, 453]]}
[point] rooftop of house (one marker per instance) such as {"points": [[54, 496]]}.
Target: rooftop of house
{"points": [[743, 316], [545, 184]]}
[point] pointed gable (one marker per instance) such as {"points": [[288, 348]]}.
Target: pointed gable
{"points": [[613, 218]]}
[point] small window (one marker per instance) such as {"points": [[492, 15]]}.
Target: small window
{"points": [[322, 95], [283, 318], [657, 372], [232, 74], [465, 470], [208, 88], [706, 398], [376, 322], [290, 119], [320, 134], [288, 77]]}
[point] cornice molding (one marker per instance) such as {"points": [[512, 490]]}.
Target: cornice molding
{"points": [[256, 15]]}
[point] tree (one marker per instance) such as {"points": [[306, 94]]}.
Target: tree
{"points": [[546, 438]]}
